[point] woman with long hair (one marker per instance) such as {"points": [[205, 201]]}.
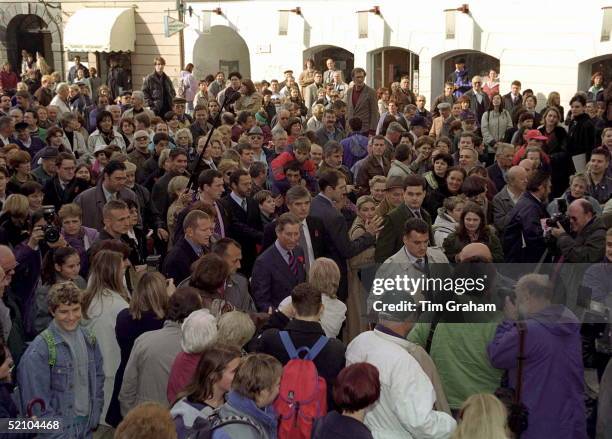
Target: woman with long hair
{"points": [[597, 86], [59, 265], [208, 387], [383, 96], [105, 133], [482, 416], [447, 186], [250, 99], [554, 100], [105, 297], [472, 228], [495, 122], [146, 312]]}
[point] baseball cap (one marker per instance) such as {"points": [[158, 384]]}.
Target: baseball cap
{"points": [[535, 135], [393, 182]]}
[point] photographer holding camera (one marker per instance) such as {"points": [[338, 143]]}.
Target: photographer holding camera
{"points": [[586, 239]]}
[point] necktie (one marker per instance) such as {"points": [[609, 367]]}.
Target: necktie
{"points": [[292, 263], [417, 214], [218, 229], [420, 264], [244, 204], [304, 246]]}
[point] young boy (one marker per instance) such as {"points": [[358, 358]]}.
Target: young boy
{"points": [[63, 367], [301, 153]]}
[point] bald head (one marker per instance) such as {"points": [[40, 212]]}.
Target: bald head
{"points": [[517, 178], [475, 250], [7, 262], [529, 166], [580, 213]]}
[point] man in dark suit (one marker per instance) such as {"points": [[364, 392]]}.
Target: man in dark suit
{"points": [[479, 100], [198, 228], [64, 187], [281, 267], [312, 236], [503, 161], [245, 219], [514, 99], [178, 166], [6, 131], [523, 239], [340, 248], [505, 199], [390, 240], [110, 187]]}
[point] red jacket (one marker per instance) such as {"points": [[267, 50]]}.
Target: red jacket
{"points": [[278, 166], [8, 80], [183, 370]]}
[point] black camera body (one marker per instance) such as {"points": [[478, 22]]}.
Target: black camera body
{"points": [[561, 217], [50, 230]]}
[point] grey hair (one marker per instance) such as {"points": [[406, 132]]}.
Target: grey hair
{"points": [[537, 285], [61, 85], [138, 95], [235, 328], [199, 330]]}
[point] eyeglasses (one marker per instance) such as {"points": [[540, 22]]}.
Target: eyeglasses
{"points": [[142, 138]]}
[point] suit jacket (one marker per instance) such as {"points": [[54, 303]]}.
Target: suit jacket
{"points": [[246, 228], [399, 265], [310, 96], [237, 293], [340, 247], [390, 240], [315, 228], [273, 280], [92, 202], [496, 176], [159, 194], [177, 264], [366, 108], [474, 106], [502, 205], [523, 239], [510, 105], [56, 196], [178, 229]]}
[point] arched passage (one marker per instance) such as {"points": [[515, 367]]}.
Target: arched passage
{"points": [[389, 64], [344, 59], [476, 63], [587, 68], [223, 49], [32, 33]]}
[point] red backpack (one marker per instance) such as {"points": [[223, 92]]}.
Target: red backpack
{"points": [[303, 393]]}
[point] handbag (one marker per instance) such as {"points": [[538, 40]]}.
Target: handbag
{"points": [[518, 413]]}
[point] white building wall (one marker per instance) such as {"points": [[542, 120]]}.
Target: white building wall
{"points": [[540, 42]]}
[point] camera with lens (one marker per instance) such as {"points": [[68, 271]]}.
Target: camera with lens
{"points": [[560, 218], [50, 230]]}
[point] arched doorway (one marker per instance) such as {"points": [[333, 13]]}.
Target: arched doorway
{"points": [[389, 64], [587, 68], [476, 63], [223, 49], [344, 59], [31, 33]]}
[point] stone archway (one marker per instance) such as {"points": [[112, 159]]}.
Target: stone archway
{"points": [[222, 50], [586, 68], [345, 60], [31, 26], [442, 65]]}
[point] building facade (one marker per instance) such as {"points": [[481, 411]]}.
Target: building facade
{"points": [[548, 45], [132, 33]]}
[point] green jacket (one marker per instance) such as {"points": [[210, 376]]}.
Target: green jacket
{"points": [[459, 351], [390, 238]]}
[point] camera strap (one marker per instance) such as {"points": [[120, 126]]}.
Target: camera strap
{"points": [[522, 330]]}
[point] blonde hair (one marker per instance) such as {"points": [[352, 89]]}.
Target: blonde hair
{"points": [[178, 183], [482, 416], [16, 205], [258, 372], [325, 275], [163, 156], [105, 274], [70, 211], [236, 328], [226, 164], [129, 166], [150, 294]]}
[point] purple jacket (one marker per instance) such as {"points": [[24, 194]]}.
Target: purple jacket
{"points": [[81, 244], [553, 374], [355, 148]]}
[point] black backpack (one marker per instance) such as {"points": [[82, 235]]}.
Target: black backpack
{"points": [[203, 428]]}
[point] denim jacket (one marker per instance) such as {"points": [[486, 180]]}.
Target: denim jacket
{"points": [[55, 387]]}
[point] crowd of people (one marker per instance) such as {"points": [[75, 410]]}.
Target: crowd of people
{"points": [[167, 253]]}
